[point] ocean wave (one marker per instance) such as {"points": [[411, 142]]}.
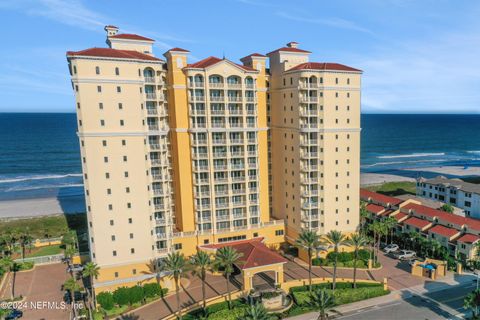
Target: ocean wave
{"points": [[412, 155], [45, 177], [400, 162], [15, 189], [474, 151]]}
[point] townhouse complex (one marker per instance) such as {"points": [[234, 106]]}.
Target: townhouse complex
{"points": [[456, 233], [456, 192], [179, 154]]}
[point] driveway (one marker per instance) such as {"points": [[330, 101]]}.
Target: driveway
{"points": [[42, 290]]}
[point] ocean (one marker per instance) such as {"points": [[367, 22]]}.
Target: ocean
{"points": [[39, 152]]}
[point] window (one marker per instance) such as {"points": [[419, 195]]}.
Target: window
{"points": [[132, 250], [131, 235], [100, 105], [111, 222], [105, 159], [124, 142], [129, 205], [120, 106], [126, 174], [97, 70], [279, 232], [117, 71], [119, 89], [130, 220], [124, 158], [99, 88], [122, 123], [102, 123], [78, 105], [110, 207], [178, 246], [115, 254], [113, 237]]}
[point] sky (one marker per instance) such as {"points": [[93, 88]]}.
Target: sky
{"points": [[417, 56]]}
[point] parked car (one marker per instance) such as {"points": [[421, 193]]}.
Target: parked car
{"points": [[75, 268], [14, 314], [391, 248], [406, 254]]}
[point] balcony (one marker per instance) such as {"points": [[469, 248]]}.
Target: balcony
{"points": [[239, 166], [153, 127], [309, 126], [307, 85], [201, 155], [219, 141], [219, 124], [197, 98], [235, 112], [149, 79], [216, 84], [159, 206], [223, 218], [198, 84], [157, 192], [238, 191], [202, 194], [238, 154], [200, 142], [221, 205], [160, 221], [236, 141], [249, 85], [198, 125], [161, 236], [220, 167], [309, 180], [309, 99], [250, 99], [200, 168], [234, 86], [154, 146], [219, 154], [238, 178], [239, 204], [307, 113], [197, 112], [201, 181], [217, 98], [151, 95], [217, 112], [234, 99], [235, 124], [152, 111]]}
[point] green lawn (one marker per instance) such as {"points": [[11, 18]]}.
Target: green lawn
{"points": [[44, 251], [394, 188]]}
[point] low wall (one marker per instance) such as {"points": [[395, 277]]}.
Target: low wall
{"points": [[304, 282]]}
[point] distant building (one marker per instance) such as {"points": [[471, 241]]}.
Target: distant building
{"points": [[456, 192]]}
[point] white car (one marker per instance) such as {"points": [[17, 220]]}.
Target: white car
{"points": [[391, 248], [406, 254]]}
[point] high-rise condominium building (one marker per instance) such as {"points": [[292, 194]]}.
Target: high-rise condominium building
{"points": [[177, 155]]}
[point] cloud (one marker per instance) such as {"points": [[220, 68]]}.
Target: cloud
{"points": [[330, 22]]}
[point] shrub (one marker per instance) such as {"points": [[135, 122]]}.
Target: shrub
{"points": [[151, 290], [271, 294], [20, 266], [363, 254], [121, 296], [317, 261], [105, 299], [341, 256], [135, 294]]}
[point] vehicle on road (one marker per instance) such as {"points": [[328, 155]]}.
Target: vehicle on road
{"points": [[75, 268], [391, 248], [406, 254], [14, 314]]}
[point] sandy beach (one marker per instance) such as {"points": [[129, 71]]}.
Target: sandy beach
{"points": [[24, 208], [450, 170]]}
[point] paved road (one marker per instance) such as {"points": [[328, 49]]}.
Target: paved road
{"points": [[411, 305]]}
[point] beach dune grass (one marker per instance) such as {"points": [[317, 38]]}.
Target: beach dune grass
{"points": [[394, 188]]}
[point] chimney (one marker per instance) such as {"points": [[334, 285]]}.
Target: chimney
{"points": [[111, 30], [292, 44]]}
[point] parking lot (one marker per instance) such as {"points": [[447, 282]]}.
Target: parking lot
{"points": [[42, 289]]}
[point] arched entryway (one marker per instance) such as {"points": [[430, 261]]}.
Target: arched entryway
{"points": [[263, 281]]}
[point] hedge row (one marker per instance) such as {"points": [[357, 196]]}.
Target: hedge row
{"points": [[338, 285], [129, 295]]}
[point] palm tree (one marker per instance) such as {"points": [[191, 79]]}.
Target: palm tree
{"points": [[337, 239], [364, 214], [309, 240], [9, 265], [390, 224], [225, 258], [176, 264], [25, 240], [471, 302], [72, 286], [201, 263], [10, 239], [91, 271], [255, 312], [356, 241], [321, 301]]}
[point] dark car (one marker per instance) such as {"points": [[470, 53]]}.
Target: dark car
{"points": [[14, 314]]}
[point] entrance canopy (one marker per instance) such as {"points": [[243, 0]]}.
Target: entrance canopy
{"points": [[254, 253]]}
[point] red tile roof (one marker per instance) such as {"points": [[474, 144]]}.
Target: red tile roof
{"points": [[130, 36], [416, 222], [254, 253], [367, 194], [443, 231], [374, 208], [289, 49], [468, 238], [178, 50], [210, 61], [324, 66], [443, 216], [387, 213], [254, 55], [112, 53], [399, 216]]}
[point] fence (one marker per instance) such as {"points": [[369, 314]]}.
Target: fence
{"points": [[43, 260]]}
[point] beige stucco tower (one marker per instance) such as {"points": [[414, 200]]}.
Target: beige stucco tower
{"points": [[178, 155]]}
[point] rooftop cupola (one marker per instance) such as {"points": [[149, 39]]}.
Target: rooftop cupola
{"points": [[292, 44], [111, 30]]}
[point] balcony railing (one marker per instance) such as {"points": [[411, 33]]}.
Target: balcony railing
{"points": [[196, 84], [249, 85], [201, 155], [217, 112], [151, 95], [152, 111], [216, 84], [309, 99], [217, 98], [250, 99], [234, 85], [197, 98], [150, 79], [234, 99]]}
